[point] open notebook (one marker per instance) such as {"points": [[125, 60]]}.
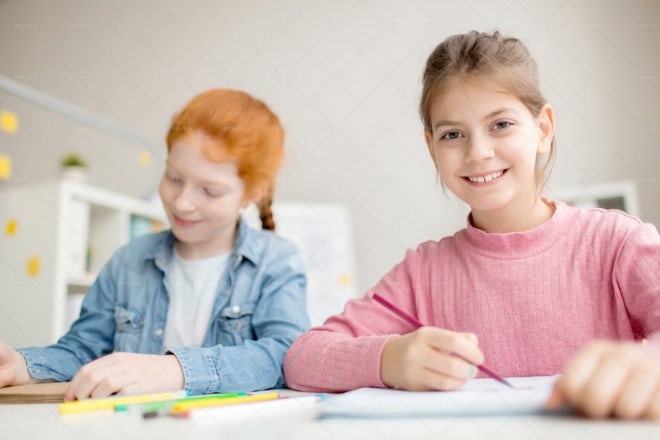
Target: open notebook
{"points": [[477, 397]]}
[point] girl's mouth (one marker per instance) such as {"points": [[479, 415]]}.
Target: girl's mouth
{"points": [[184, 223], [486, 179]]}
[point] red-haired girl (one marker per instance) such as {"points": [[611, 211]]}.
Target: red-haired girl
{"points": [[210, 305]]}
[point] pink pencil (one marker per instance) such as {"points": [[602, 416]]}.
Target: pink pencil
{"points": [[412, 320]]}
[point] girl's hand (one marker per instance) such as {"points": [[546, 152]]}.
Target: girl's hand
{"points": [[425, 360], [610, 379], [13, 368], [126, 373]]}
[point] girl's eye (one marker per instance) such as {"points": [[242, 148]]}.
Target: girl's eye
{"points": [[211, 192], [174, 179], [501, 125], [451, 135]]}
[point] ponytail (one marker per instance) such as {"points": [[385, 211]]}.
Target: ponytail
{"points": [[265, 209]]}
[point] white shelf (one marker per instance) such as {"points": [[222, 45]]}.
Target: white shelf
{"points": [[82, 281], [620, 194], [65, 232]]}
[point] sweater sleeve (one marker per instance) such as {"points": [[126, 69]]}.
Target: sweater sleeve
{"points": [[637, 278], [345, 352]]}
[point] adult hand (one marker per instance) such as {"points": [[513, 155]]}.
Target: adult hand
{"points": [[607, 378], [126, 373], [430, 358], [13, 368]]}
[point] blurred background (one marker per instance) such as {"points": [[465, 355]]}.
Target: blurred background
{"points": [[344, 77]]}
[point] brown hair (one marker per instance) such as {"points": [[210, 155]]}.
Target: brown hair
{"points": [[247, 129], [504, 60]]}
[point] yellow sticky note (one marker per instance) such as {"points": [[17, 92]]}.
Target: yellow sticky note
{"points": [[33, 266], [144, 158], [5, 167], [345, 279], [8, 121], [11, 227]]}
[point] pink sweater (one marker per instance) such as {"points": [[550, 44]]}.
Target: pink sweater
{"points": [[533, 299]]}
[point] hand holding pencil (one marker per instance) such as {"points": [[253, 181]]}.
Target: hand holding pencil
{"points": [[429, 358]]}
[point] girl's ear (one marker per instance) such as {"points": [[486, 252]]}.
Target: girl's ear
{"points": [[546, 124]]}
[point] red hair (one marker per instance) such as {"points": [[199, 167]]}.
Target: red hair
{"points": [[246, 129]]}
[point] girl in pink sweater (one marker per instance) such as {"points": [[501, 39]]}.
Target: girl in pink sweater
{"points": [[531, 286]]}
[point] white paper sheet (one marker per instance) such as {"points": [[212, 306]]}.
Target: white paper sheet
{"points": [[477, 397]]}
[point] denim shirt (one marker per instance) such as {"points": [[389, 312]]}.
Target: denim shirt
{"points": [[260, 309]]}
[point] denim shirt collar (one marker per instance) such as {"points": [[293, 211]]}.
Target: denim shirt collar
{"points": [[244, 247]]}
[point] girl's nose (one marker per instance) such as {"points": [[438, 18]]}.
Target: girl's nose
{"points": [[479, 148], [185, 200]]}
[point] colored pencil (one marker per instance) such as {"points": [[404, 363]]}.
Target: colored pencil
{"points": [[412, 320], [168, 404], [207, 403], [78, 406]]}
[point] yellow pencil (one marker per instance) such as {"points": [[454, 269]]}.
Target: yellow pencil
{"points": [[78, 406], [187, 406]]}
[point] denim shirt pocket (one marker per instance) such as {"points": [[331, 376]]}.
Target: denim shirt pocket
{"points": [[129, 325], [236, 320]]}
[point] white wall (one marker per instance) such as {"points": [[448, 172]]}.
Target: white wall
{"points": [[344, 77]]}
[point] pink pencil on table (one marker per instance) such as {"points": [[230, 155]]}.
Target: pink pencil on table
{"points": [[412, 320]]}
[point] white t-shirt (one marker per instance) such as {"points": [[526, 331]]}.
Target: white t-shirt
{"points": [[193, 288]]}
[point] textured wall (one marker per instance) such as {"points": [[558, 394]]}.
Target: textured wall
{"points": [[344, 77]]}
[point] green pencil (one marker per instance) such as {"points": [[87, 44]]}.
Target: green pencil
{"points": [[151, 409]]}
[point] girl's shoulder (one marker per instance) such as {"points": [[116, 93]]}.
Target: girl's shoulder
{"points": [[602, 219], [261, 244], [612, 228], [149, 242], [131, 256], [145, 246], [435, 250]]}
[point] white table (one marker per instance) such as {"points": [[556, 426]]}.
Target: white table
{"points": [[42, 421]]}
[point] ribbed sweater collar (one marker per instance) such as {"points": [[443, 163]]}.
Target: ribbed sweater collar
{"points": [[516, 245]]}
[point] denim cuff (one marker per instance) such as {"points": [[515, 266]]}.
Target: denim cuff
{"points": [[199, 370], [39, 365]]}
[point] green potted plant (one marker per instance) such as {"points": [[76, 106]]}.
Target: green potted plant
{"points": [[73, 167]]}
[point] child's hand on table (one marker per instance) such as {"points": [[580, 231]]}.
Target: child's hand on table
{"points": [[607, 378], [425, 359], [126, 373], [13, 368]]}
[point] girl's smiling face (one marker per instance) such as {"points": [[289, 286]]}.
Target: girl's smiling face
{"points": [[485, 143], [201, 198]]}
